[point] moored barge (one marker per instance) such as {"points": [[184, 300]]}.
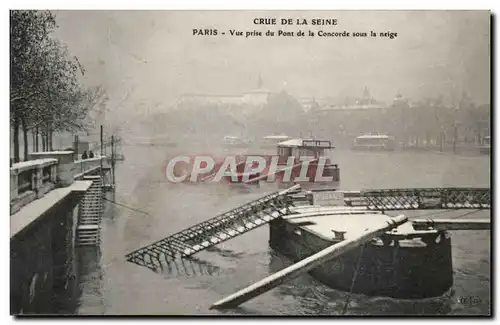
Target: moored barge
{"points": [[289, 166], [485, 148], [377, 142], [297, 161], [403, 263]]}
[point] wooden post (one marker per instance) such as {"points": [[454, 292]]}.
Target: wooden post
{"points": [[102, 146], [306, 264], [113, 159], [455, 135], [452, 224], [36, 139], [112, 147]]}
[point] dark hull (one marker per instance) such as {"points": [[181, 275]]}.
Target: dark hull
{"points": [[406, 272]]}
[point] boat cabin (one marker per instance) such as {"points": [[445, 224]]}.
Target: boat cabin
{"points": [[304, 148], [485, 148], [230, 140], [374, 142]]}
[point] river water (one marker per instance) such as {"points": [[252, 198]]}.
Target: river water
{"points": [[109, 285]]}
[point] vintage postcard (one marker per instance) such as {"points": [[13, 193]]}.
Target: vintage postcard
{"points": [[244, 162]]}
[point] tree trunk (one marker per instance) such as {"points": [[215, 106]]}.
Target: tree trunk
{"points": [[455, 136], [16, 139], [25, 138], [46, 138], [33, 135], [50, 135], [44, 143], [36, 138]]}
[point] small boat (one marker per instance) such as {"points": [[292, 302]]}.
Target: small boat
{"points": [[154, 141], [485, 148], [235, 142], [374, 142], [284, 168], [287, 166]]}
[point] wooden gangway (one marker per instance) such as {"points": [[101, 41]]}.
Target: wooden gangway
{"points": [[216, 230]]}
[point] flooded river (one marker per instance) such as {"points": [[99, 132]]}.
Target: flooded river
{"points": [[110, 285]]}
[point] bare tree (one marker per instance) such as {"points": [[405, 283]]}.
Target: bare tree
{"points": [[46, 95], [28, 30]]}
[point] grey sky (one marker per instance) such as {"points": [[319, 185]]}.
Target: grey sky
{"points": [[153, 54]]}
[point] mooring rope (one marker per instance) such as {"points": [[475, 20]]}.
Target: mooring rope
{"points": [[348, 299], [466, 214], [126, 206], [443, 212], [434, 213]]}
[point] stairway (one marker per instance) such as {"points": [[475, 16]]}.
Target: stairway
{"points": [[88, 231], [216, 230]]}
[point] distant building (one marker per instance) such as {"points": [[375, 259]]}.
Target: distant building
{"points": [[366, 102], [399, 101], [256, 97], [209, 99]]}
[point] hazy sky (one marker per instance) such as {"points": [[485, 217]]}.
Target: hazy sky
{"points": [[152, 55]]}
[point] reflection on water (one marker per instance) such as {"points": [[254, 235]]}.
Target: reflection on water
{"points": [[89, 272], [186, 268], [110, 285]]}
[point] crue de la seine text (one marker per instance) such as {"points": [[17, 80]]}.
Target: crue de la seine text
{"points": [[298, 21]]}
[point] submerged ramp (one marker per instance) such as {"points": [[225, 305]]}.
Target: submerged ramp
{"points": [[216, 230]]}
